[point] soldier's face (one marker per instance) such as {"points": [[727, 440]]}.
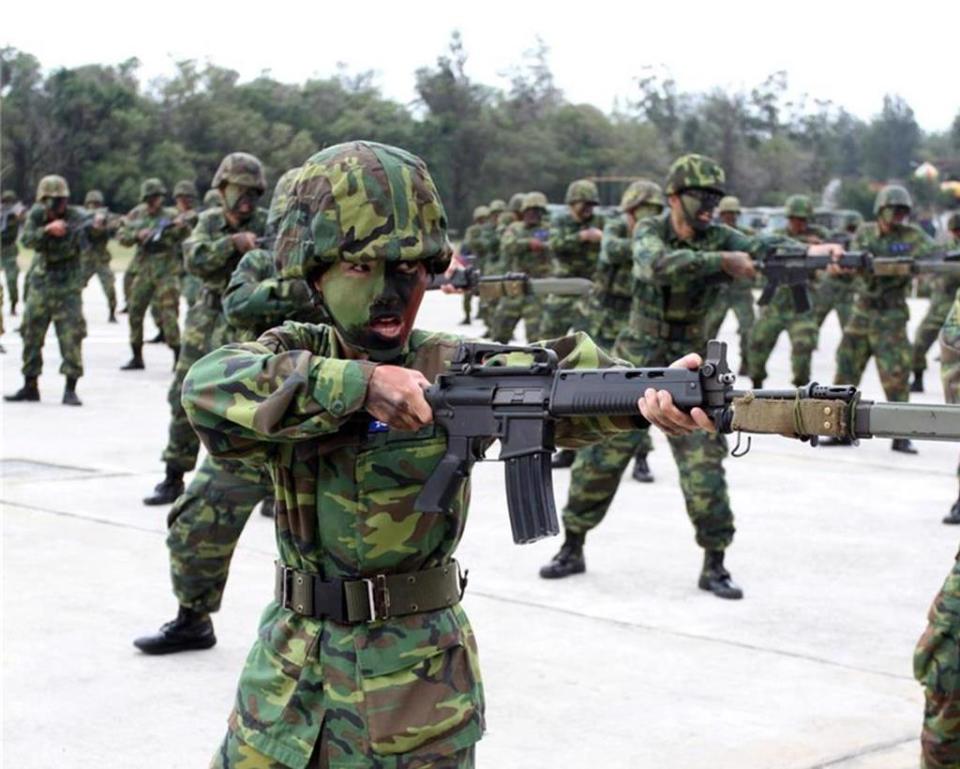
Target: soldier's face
{"points": [[729, 218], [374, 304], [154, 203], [583, 210], [184, 202], [796, 225], [892, 215], [56, 206], [532, 217], [239, 200]]}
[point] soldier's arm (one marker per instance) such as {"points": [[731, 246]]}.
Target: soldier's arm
{"points": [[129, 226], [256, 292], [615, 248], [33, 235], [564, 239], [656, 262], [207, 252]]}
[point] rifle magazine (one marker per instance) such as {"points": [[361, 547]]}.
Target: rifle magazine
{"points": [[533, 513]]}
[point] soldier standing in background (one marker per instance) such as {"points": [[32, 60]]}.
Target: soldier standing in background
{"points": [[473, 253], [96, 258], [575, 237], [780, 315], [836, 292], [944, 289], [185, 199], [213, 250], [12, 211], [53, 229]]}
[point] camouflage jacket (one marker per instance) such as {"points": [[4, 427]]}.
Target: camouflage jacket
{"points": [[615, 262], [345, 494], [888, 292], [257, 299], [98, 238], [159, 252], [56, 258], [209, 252], [517, 254], [573, 257], [8, 237], [481, 242]]}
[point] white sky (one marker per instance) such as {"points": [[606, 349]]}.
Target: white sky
{"points": [[849, 52]]}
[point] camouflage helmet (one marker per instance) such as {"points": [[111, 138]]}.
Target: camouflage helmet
{"points": [[185, 189], [8, 196], [953, 221], [362, 201], [516, 202], [497, 206], [281, 196], [240, 168], [480, 212], [152, 187], [94, 197], [892, 195], [729, 204], [53, 186], [213, 198], [582, 191], [642, 193], [798, 207], [534, 200], [852, 219], [695, 171]]}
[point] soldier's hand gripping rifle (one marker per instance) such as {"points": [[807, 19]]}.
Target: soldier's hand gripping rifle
{"points": [[476, 403], [492, 287]]}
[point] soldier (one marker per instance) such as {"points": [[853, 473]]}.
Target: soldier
{"points": [[944, 288], [878, 326], [185, 199], [213, 199], [207, 519], [157, 232], [835, 292], [575, 237], [213, 250], [473, 252], [96, 258], [780, 315], [736, 295], [338, 414], [53, 229], [679, 259], [525, 247], [11, 213]]}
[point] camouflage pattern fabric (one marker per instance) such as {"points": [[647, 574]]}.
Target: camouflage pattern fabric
{"points": [[572, 258], [737, 296], [95, 260], [834, 292], [398, 692], [515, 244], [210, 255], [878, 326], [941, 300], [8, 258], [483, 242]]}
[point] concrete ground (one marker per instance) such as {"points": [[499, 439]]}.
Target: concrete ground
{"points": [[840, 552]]}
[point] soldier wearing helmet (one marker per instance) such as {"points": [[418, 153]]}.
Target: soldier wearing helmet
{"points": [[780, 315], [878, 326], [836, 292], [219, 240], [95, 259], [213, 199], [13, 213], [475, 251], [525, 247], [728, 212], [55, 231], [575, 237], [680, 260], [185, 199], [217, 503], [338, 413]]}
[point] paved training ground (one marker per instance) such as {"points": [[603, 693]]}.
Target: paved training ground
{"points": [[839, 551]]}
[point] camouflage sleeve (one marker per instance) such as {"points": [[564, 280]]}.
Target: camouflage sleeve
{"points": [[511, 244], [205, 252], [655, 262], [564, 238], [615, 248], [255, 292], [33, 234], [245, 399], [129, 224]]}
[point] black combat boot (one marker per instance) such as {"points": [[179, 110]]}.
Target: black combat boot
{"points": [[158, 339], [70, 393], [569, 560], [715, 578], [267, 507], [13, 309], [757, 383], [112, 317], [954, 515], [28, 392], [903, 445], [190, 630], [831, 441], [917, 385], [136, 362], [125, 309], [742, 371], [167, 491], [562, 459], [641, 470]]}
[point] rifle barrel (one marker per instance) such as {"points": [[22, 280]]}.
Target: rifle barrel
{"points": [[922, 421]]}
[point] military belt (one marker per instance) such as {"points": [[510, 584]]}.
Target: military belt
{"points": [[670, 332], [369, 599], [884, 302]]}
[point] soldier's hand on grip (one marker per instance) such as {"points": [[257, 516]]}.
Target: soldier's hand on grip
{"points": [[657, 407], [395, 396], [834, 251], [56, 228], [738, 264], [244, 241]]}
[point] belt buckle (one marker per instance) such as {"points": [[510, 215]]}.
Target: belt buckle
{"points": [[378, 597], [286, 574]]}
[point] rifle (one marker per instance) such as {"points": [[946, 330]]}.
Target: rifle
{"points": [[13, 211], [492, 287], [519, 405], [795, 269]]}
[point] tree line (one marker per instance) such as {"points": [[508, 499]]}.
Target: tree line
{"points": [[101, 127]]}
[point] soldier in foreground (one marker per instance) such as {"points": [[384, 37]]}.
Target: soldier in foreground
{"points": [[96, 258], [12, 213], [213, 250], [338, 413], [53, 231]]}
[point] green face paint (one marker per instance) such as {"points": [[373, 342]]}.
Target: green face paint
{"points": [[240, 200], [646, 211], [698, 206]]}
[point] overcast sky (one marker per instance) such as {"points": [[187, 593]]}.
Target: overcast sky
{"points": [[848, 52]]}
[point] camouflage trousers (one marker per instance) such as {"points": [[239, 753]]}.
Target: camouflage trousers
{"points": [[833, 293], [153, 288], [128, 278], [97, 262], [12, 272], [560, 314], [509, 312], [739, 298], [941, 299], [204, 330], [204, 525], [60, 304], [190, 288], [597, 469], [936, 665], [883, 335], [802, 330]]}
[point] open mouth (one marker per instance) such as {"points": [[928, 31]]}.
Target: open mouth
{"points": [[389, 326]]}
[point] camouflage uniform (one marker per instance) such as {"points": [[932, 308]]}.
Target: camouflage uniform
{"points": [[481, 241], [836, 292], [941, 299], [96, 258], [190, 285], [474, 252], [403, 691], [8, 248], [572, 258]]}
